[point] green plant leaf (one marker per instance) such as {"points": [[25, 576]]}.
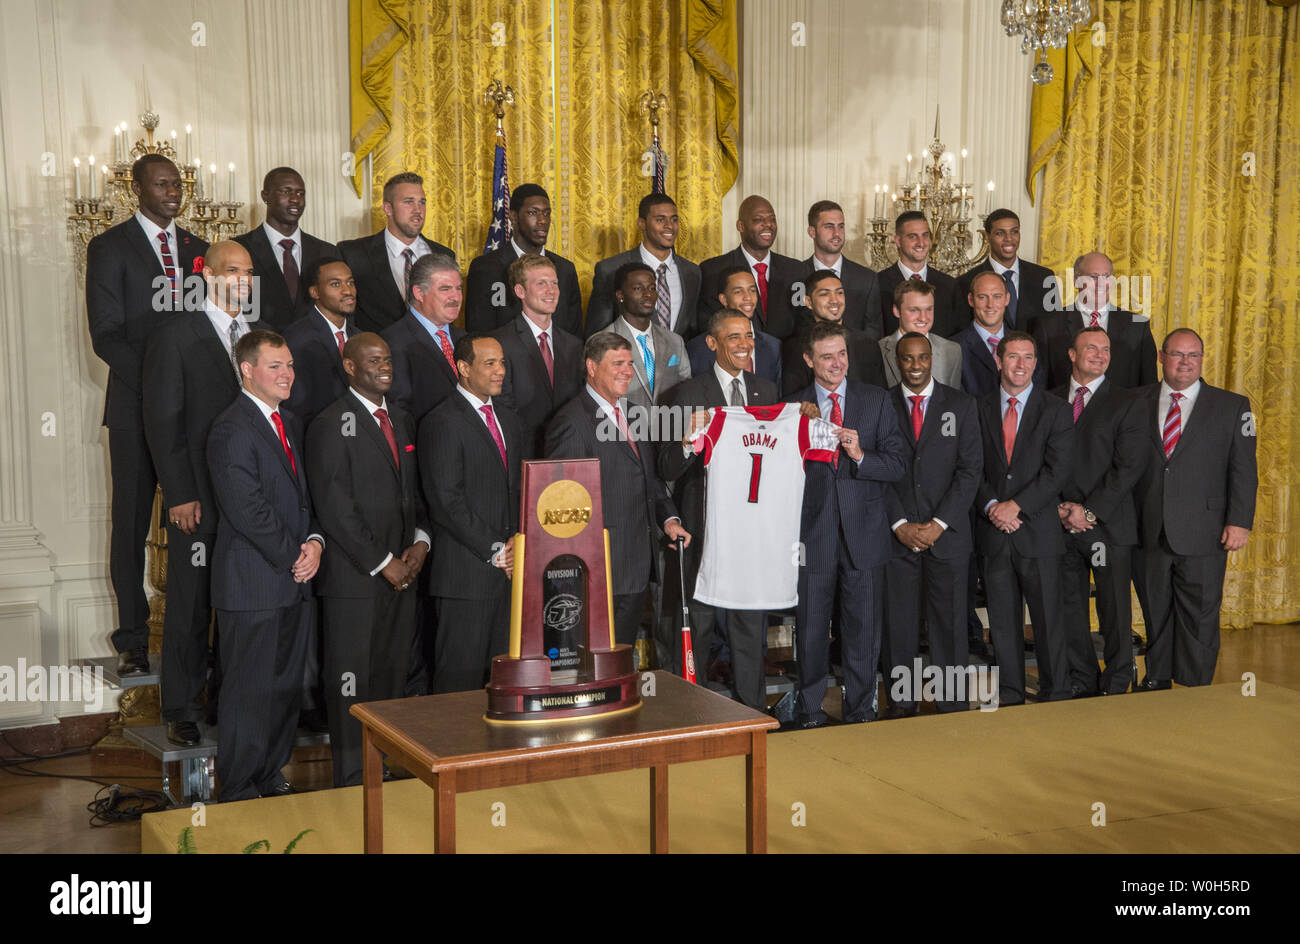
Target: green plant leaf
{"points": [[185, 842], [294, 842], [257, 847]]}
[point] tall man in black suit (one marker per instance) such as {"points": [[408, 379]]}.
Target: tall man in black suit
{"points": [[928, 511], [490, 301], [594, 425], [1197, 504], [423, 341], [1132, 349], [677, 280], [317, 338], [776, 276], [844, 532], [544, 368], [134, 283], [912, 238], [189, 379], [862, 311], [739, 293], [381, 263], [268, 550], [281, 251], [1027, 284], [1028, 447], [825, 296], [366, 484], [988, 298], [1098, 515], [470, 459]]}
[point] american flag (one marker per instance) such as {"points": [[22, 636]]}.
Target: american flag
{"points": [[499, 229]]}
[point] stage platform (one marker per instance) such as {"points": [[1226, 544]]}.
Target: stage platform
{"points": [[1187, 770]]}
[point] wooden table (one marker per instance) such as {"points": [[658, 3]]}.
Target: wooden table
{"points": [[446, 742]]}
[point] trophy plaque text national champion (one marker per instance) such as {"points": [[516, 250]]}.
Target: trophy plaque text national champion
{"points": [[562, 661]]}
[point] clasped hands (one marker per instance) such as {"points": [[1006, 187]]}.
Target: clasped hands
{"points": [[1005, 516], [918, 537], [402, 571], [1073, 518]]}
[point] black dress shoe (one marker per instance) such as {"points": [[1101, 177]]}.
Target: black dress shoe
{"points": [[313, 719], [184, 733], [133, 662], [900, 711], [283, 789], [1151, 685]]}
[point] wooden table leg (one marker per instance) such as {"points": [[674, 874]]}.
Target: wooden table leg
{"points": [[659, 808], [756, 794], [372, 793], [444, 813]]}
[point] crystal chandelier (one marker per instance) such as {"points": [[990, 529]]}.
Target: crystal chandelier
{"points": [[1043, 25]]}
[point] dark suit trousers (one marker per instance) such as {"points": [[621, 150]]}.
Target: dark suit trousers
{"points": [[187, 620], [922, 584], [368, 645], [1111, 567], [471, 633], [262, 652], [628, 610], [1184, 594], [134, 483], [1011, 580], [747, 637]]}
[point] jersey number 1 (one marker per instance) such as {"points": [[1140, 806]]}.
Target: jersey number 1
{"points": [[755, 472]]}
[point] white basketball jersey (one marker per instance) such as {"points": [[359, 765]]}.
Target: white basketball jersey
{"points": [[753, 500]]}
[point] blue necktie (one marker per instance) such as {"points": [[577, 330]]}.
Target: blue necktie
{"points": [[1011, 291], [649, 363]]}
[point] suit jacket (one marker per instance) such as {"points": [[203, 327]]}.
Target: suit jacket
{"points": [[945, 360], [949, 304], [319, 378], [1210, 480], [848, 498], [421, 375], [121, 271], [601, 305], [473, 497], [635, 500], [1040, 463], [188, 382], [767, 355], [671, 363], [1110, 455], [943, 468], [1036, 283], [368, 505], [1132, 349], [265, 509], [527, 390], [784, 279], [865, 362], [979, 371], [862, 310], [277, 309], [379, 301], [489, 279]]}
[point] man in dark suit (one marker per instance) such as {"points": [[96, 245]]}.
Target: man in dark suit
{"points": [[268, 550], [1028, 444], [1132, 349], [189, 379], [776, 276], [915, 307], [862, 311], [739, 293], [1028, 285], [928, 511], [824, 294], [470, 459], [382, 263], [423, 341], [490, 301], [660, 354], [317, 338], [281, 251], [912, 238], [1098, 515], [544, 368], [362, 465], [844, 533], [1197, 504], [730, 381], [134, 283], [594, 425], [677, 280], [988, 298]]}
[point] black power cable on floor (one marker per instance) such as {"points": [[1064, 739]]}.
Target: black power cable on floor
{"points": [[124, 806]]}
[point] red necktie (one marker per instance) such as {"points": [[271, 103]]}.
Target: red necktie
{"points": [[486, 410], [547, 359], [837, 418], [1078, 402], [760, 268], [290, 269], [342, 341], [387, 428], [626, 433], [447, 352], [918, 418], [916, 277], [284, 440], [993, 346], [1009, 428], [1173, 424], [1096, 321], [169, 266]]}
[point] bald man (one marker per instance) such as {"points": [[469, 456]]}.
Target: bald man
{"points": [[779, 277], [189, 379]]}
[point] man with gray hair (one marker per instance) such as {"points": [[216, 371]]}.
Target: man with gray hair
{"points": [[424, 367]]}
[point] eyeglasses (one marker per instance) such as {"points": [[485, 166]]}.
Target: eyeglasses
{"points": [[1184, 355]]}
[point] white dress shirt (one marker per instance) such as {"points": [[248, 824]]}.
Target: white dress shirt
{"points": [[1091, 387], [724, 381], [1103, 314], [1014, 269], [923, 272], [925, 396], [152, 230], [221, 324], [819, 266], [674, 278], [275, 237], [397, 261], [1184, 405], [267, 410]]}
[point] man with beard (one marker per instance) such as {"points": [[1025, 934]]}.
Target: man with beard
{"points": [[861, 308], [825, 298], [776, 276]]}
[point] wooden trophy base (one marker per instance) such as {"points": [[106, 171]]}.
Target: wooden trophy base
{"points": [[521, 689]]}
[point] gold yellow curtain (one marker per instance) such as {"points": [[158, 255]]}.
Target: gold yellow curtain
{"points": [[420, 68], [1177, 157]]}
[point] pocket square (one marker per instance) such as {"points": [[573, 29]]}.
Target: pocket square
{"points": [[672, 361], [410, 448]]}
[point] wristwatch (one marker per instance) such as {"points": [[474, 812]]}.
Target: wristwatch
{"points": [[1089, 517]]}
